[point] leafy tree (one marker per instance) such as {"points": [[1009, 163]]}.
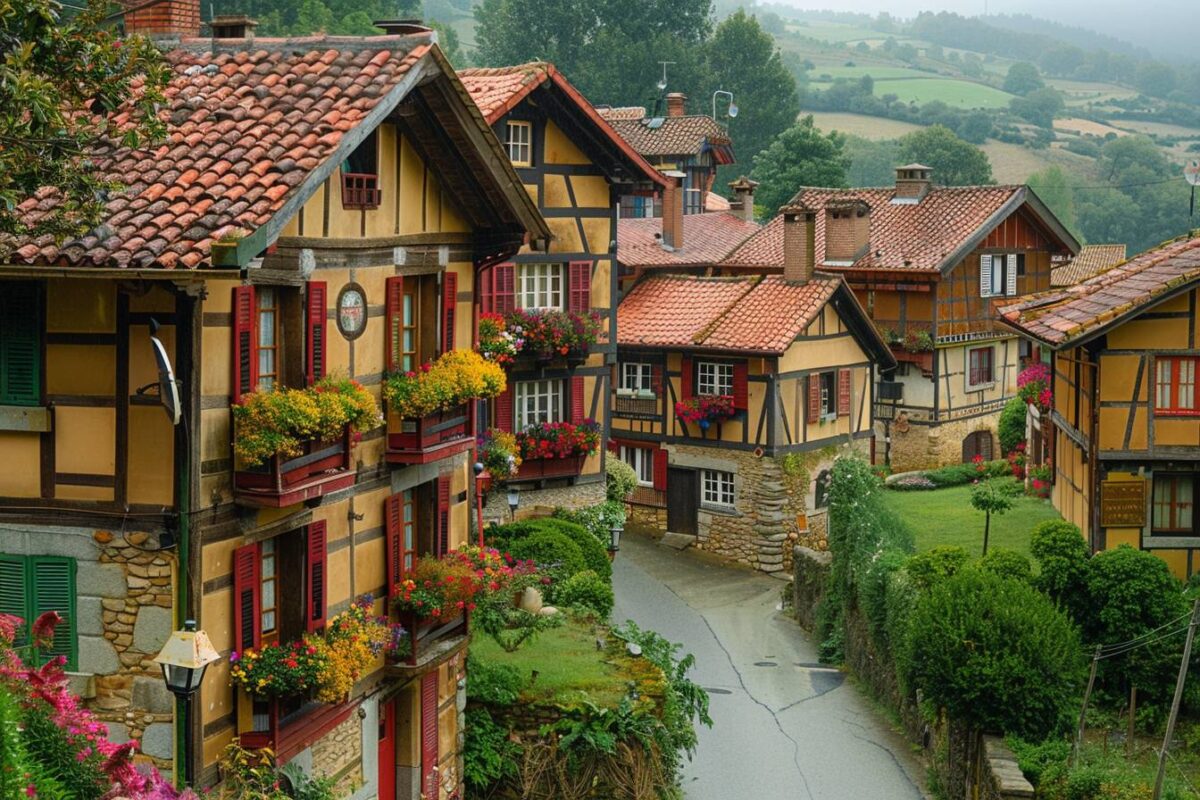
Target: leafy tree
{"points": [[871, 163], [1062, 555], [62, 81], [1023, 78], [801, 156], [976, 127], [1011, 427], [1155, 78], [449, 42], [1039, 106], [954, 162], [1054, 188], [993, 496], [341, 17]]}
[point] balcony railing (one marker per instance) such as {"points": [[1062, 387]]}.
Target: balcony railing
{"points": [[360, 190], [636, 406], [322, 468], [420, 441]]}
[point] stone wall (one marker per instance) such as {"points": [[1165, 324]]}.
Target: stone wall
{"points": [[123, 617], [810, 577], [338, 754], [931, 446], [580, 495]]}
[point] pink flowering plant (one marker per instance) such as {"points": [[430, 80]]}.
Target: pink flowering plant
{"points": [[1033, 386], [550, 333], [548, 440], [706, 409], [497, 342]]}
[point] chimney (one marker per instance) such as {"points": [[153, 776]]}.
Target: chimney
{"points": [[676, 104], [799, 242], [232, 26], [847, 231], [165, 19], [743, 194], [401, 27], [672, 211], [913, 182]]}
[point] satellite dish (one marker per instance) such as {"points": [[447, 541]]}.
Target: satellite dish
{"points": [[1191, 172], [733, 109], [168, 389]]}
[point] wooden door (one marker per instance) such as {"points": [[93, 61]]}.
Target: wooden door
{"points": [[429, 736], [683, 501], [387, 750]]}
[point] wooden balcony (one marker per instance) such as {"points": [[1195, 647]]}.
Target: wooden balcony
{"points": [[433, 641], [420, 441], [322, 468], [632, 407], [536, 469]]}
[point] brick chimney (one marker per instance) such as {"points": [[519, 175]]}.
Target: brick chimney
{"points": [[165, 19], [676, 104], [232, 26], [913, 182], [672, 211], [847, 230], [743, 197], [799, 242]]}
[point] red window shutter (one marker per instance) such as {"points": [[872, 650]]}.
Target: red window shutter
{"points": [[656, 378], [247, 598], [843, 393], [316, 577], [660, 470], [741, 389], [814, 396], [685, 378], [504, 288], [393, 521], [504, 410], [429, 734], [245, 343], [577, 414], [579, 282], [315, 347], [443, 514], [449, 309], [614, 446], [395, 321]]}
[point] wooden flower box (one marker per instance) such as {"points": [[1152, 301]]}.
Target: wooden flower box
{"points": [[431, 638], [286, 725], [533, 469], [322, 468], [419, 441]]}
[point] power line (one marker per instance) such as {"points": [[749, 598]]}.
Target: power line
{"points": [[1147, 634], [1156, 640]]}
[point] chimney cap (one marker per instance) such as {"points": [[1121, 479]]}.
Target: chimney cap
{"points": [[232, 26], [743, 184], [915, 166], [796, 210], [848, 204], [402, 27], [676, 95]]}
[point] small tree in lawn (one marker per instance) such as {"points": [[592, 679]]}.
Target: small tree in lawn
{"points": [[992, 496]]}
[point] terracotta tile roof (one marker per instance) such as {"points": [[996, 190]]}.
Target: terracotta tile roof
{"points": [[714, 202], [1092, 259], [1065, 315], [623, 112], [244, 129], [676, 136], [751, 314], [911, 236], [707, 238]]}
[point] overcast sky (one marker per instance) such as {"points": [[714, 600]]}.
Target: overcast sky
{"points": [[1159, 25]]}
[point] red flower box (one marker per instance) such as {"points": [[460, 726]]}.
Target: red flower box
{"points": [[419, 441], [322, 468]]}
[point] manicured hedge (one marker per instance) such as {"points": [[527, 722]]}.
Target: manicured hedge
{"points": [[953, 475]]}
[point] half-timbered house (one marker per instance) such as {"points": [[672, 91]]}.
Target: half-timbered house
{"points": [[1126, 413]]}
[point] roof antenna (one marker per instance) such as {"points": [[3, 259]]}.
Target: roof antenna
{"points": [[662, 88]]}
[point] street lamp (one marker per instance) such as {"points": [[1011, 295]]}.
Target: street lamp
{"points": [[478, 467], [184, 658], [733, 109], [614, 540], [514, 500]]}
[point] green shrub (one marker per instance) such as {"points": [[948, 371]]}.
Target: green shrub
{"points": [[1007, 564], [489, 755], [620, 479], [1062, 555], [502, 536], [873, 591], [552, 550], [995, 654], [1034, 759], [586, 590], [1011, 428], [493, 684], [935, 565], [595, 554], [962, 474]]}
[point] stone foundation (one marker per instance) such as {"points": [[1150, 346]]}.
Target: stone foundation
{"points": [[536, 501], [338, 754], [932, 446]]}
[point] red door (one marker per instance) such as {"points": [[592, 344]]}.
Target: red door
{"points": [[429, 736], [387, 751]]}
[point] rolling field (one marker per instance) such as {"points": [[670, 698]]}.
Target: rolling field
{"points": [[961, 94], [876, 71], [836, 32], [873, 128]]}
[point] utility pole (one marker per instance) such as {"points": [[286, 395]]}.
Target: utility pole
{"points": [[1083, 711], [1183, 671]]}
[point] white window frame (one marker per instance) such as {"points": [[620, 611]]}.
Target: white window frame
{"points": [[537, 401], [714, 378], [541, 286], [642, 461], [998, 274], [829, 388], [636, 376], [518, 142], [717, 488]]}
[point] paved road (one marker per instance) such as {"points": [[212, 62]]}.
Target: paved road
{"points": [[784, 727]]}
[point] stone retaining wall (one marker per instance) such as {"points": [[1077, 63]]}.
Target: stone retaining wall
{"points": [[932, 446]]}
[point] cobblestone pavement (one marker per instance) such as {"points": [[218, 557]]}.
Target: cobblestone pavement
{"points": [[784, 726]]}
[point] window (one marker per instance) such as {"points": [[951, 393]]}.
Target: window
{"points": [[268, 337], [642, 461], [828, 394], [365, 158], [360, 175], [636, 206], [695, 186], [269, 581], [980, 369], [538, 401], [716, 488], [1173, 499], [409, 356], [636, 377], [20, 343], [998, 273], [1175, 385], [32, 585], [713, 378], [518, 139], [279, 587], [540, 286]]}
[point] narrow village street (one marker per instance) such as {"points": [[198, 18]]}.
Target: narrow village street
{"points": [[784, 726]]}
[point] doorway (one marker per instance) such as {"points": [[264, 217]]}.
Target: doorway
{"points": [[387, 750], [683, 501]]}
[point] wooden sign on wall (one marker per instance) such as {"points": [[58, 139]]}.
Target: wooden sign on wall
{"points": [[1123, 503]]}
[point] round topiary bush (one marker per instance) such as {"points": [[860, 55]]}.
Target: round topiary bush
{"points": [[1011, 428], [551, 550], [935, 565], [621, 479], [595, 556], [586, 590], [1007, 564], [1062, 555], [502, 536]]}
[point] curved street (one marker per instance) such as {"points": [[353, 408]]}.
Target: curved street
{"points": [[784, 726]]}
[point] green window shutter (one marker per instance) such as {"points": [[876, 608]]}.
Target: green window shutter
{"points": [[54, 590], [14, 592], [20, 344]]}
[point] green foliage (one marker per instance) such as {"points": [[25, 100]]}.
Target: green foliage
{"points": [[1023, 78], [593, 552], [55, 749], [1007, 564], [489, 756], [955, 162], [586, 590], [933, 567], [620, 480], [1035, 758], [873, 593], [17, 770], [872, 163], [1062, 556], [801, 156], [1039, 107], [995, 653], [993, 496], [340, 17], [1011, 428], [307, 787], [493, 684], [552, 550]]}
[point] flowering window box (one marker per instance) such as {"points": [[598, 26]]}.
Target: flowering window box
{"points": [[533, 469], [431, 639], [323, 467], [437, 435]]}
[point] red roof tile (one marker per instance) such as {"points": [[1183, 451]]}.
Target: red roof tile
{"points": [[1092, 259], [1062, 316], [674, 136], [707, 238], [913, 236], [230, 118]]}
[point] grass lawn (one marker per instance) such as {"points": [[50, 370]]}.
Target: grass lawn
{"points": [[945, 517], [873, 128], [962, 94], [877, 72]]}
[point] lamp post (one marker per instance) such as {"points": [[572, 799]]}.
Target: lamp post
{"points": [[478, 467], [184, 658], [614, 540], [733, 109], [514, 500]]}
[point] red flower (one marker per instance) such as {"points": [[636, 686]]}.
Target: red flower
{"points": [[43, 629]]}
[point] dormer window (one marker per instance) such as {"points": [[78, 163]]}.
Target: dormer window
{"points": [[360, 175], [518, 139]]}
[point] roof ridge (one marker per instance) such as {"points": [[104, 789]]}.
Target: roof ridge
{"points": [[708, 329]]}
